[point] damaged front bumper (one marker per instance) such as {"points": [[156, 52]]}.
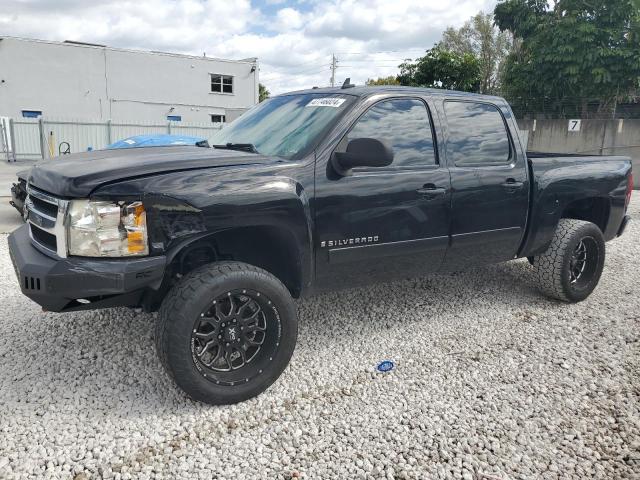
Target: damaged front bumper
{"points": [[77, 283], [18, 196]]}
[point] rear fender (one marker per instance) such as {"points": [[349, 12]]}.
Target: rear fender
{"points": [[561, 189]]}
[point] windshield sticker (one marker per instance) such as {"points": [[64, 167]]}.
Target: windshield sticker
{"points": [[326, 102]]}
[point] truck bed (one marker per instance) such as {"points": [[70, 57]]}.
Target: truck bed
{"points": [[553, 155]]}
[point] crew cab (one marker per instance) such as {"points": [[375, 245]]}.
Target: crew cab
{"points": [[308, 191]]}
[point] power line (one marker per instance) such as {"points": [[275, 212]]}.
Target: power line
{"points": [[309, 62], [281, 81], [289, 72], [278, 78], [277, 75], [383, 51], [378, 60]]}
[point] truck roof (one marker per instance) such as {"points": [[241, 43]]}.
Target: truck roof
{"points": [[365, 91]]}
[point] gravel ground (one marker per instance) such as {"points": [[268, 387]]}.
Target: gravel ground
{"points": [[492, 382]]}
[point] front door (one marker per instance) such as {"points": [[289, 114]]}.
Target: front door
{"points": [[384, 222]]}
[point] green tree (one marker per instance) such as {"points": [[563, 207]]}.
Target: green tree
{"points": [[482, 39], [441, 68], [571, 53], [263, 93], [390, 80]]}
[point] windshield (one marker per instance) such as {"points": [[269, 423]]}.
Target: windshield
{"points": [[286, 126]]}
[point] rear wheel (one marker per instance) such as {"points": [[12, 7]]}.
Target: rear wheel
{"points": [[572, 265], [226, 332]]}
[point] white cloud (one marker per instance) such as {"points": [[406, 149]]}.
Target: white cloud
{"points": [[288, 19], [294, 44], [182, 25]]}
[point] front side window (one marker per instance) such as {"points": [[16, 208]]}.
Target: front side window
{"points": [[288, 126], [477, 134], [404, 125], [217, 119], [221, 83]]}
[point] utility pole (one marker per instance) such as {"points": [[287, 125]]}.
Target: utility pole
{"points": [[334, 65]]}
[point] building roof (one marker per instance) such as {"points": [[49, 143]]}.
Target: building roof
{"points": [[79, 44]]}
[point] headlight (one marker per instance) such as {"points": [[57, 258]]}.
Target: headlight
{"points": [[107, 229]]}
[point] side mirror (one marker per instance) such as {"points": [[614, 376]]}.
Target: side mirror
{"points": [[362, 152]]}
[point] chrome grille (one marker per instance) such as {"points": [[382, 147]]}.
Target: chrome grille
{"points": [[45, 215]]}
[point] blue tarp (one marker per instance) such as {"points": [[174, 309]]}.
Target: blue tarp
{"points": [[155, 141]]}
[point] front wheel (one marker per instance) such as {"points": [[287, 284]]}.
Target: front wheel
{"points": [[571, 267], [226, 332]]}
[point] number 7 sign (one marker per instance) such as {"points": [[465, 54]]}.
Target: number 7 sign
{"points": [[574, 125]]}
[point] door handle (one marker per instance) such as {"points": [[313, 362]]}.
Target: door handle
{"points": [[510, 185], [430, 191]]}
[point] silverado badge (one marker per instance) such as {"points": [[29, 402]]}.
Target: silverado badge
{"points": [[343, 242]]}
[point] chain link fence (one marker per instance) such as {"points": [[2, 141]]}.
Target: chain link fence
{"points": [[37, 139], [573, 107]]}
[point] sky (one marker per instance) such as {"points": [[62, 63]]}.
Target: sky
{"points": [[293, 39]]}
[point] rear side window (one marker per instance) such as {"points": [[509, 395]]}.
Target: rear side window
{"points": [[402, 123], [477, 134]]}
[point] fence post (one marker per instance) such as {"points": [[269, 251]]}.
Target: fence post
{"points": [[42, 137], [169, 127], [12, 140], [604, 137], [109, 132], [4, 139]]}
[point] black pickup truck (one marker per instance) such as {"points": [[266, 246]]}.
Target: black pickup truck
{"points": [[308, 191]]}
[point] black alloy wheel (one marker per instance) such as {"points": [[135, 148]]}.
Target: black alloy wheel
{"points": [[583, 262], [235, 336], [226, 332], [571, 267]]}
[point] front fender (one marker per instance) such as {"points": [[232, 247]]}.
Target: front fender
{"points": [[183, 207]]}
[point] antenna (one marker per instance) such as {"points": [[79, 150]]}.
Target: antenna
{"points": [[347, 84]]}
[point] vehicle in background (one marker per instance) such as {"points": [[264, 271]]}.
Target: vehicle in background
{"points": [[309, 191], [161, 140], [19, 189]]}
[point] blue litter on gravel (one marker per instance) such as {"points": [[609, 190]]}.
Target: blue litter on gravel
{"points": [[385, 366]]}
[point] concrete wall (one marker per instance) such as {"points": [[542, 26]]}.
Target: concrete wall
{"points": [[596, 137], [99, 83]]}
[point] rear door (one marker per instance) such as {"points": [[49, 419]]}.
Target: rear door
{"points": [[489, 180], [383, 222]]}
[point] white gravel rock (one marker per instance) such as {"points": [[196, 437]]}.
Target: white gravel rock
{"points": [[492, 381]]}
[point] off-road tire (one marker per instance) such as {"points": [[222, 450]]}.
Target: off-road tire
{"points": [[553, 267], [183, 305]]}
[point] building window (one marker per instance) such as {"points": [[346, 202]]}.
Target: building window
{"points": [[221, 83], [217, 118], [31, 113], [174, 118]]}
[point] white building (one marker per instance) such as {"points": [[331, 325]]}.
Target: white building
{"points": [[78, 81]]}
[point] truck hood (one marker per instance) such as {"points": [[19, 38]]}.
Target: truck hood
{"points": [[77, 175]]}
